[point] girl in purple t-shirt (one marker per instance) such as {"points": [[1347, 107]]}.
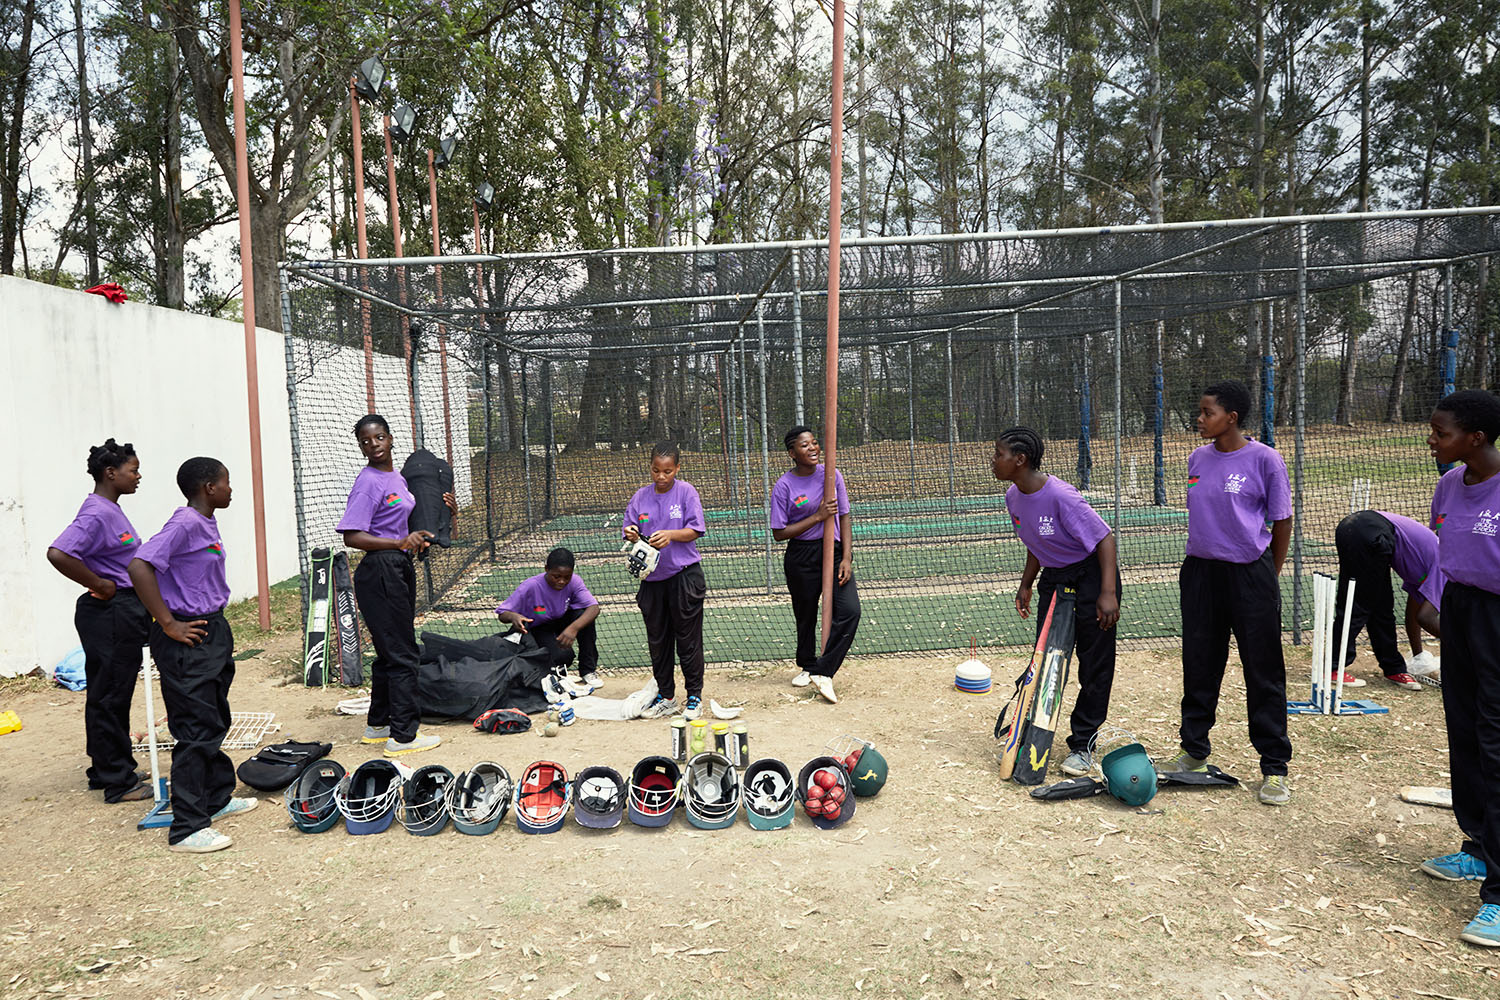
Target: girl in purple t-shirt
{"points": [[800, 513], [1069, 544], [668, 514], [1466, 516], [94, 552], [385, 584], [555, 608], [1239, 523]]}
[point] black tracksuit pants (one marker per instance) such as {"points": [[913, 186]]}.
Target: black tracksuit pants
{"points": [[385, 584], [195, 687], [1366, 543], [673, 609], [1219, 598], [1471, 703], [803, 565], [112, 633], [587, 643], [1095, 646]]}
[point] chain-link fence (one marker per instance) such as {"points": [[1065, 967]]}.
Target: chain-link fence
{"points": [[545, 379]]}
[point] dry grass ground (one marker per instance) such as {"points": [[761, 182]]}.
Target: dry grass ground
{"points": [[948, 884]]}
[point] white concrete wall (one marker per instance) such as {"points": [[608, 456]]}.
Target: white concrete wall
{"points": [[76, 369]]}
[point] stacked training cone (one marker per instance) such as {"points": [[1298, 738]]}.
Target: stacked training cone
{"points": [[972, 677]]}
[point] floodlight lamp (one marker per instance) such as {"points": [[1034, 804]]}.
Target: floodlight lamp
{"points": [[403, 122], [484, 196], [369, 78], [444, 154]]}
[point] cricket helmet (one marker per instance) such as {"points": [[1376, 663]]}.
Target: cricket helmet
{"points": [[479, 798], [310, 800], [598, 797], [711, 791], [1128, 772], [651, 795], [424, 800], [806, 780], [367, 798], [542, 798], [865, 765], [767, 790]]}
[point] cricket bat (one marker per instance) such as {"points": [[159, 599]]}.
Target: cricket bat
{"points": [[1046, 708], [1019, 706]]}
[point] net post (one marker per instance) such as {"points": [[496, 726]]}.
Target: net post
{"points": [[1267, 396], [911, 416], [1085, 417], [1300, 431], [295, 422], [831, 342], [745, 434], [549, 460], [437, 271], [797, 361], [952, 420], [357, 139], [1159, 419], [405, 321], [526, 441], [487, 392], [765, 436], [1015, 368], [1119, 444]]}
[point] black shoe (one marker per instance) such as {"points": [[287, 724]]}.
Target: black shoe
{"points": [[95, 785], [140, 793]]}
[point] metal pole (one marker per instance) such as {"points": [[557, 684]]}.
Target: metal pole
{"points": [[1119, 415], [247, 278], [1448, 373], [437, 273], [1085, 418], [911, 418], [1015, 365], [765, 438], [549, 464], [358, 140], [296, 426], [731, 433], [952, 418], [395, 212], [1299, 378], [526, 441], [1267, 396], [1159, 422], [745, 435], [487, 391], [797, 336], [831, 350]]}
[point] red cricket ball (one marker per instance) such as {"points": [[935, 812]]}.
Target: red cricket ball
{"points": [[831, 811], [825, 778], [815, 793], [834, 794], [814, 807], [852, 760]]}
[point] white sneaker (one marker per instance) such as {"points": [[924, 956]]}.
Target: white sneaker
{"points": [[204, 841], [418, 742], [802, 680], [236, 806], [825, 688], [661, 708], [592, 680]]}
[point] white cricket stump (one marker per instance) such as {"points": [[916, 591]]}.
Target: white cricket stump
{"points": [[1326, 669]]}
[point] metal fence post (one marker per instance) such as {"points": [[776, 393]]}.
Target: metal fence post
{"points": [[911, 416], [765, 437], [1300, 431], [745, 437], [1448, 363], [288, 338], [797, 335], [1015, 368], [1159, 420], [952, 420], [526, 440], [487, 394], [1119, 445], [549, 462], [1085, 418]]}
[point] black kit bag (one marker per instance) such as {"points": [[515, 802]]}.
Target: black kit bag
{"points": [[276, 766]]}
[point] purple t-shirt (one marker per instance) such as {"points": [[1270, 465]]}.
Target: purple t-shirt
{"points": [[188, 557], [1416, 558], [1467, 522], [794, 497], [379, 503], [535, 598], [1056, 523], [101, 538], [1232, 498], [679, 507]]}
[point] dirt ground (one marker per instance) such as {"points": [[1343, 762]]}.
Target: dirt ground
{"points": [[950, 883]]}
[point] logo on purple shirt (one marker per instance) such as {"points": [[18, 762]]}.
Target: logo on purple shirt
{"points": [[643, 518], [540, 611], [1192, 481], [216, 549], [128, 538], [800, 500], [392, 499]]}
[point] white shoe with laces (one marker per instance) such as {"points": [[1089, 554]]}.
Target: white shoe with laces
{"points": [[236, 806], [204, 841], [825, 688], [802, 680]]}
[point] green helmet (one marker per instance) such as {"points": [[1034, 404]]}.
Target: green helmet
{"points": [[869, 772], [1129, 774]]}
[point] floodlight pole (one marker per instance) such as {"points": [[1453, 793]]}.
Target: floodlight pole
{"points": [[831, 350], [357, 135], [390, 183], [247, 279], [437, 251]]}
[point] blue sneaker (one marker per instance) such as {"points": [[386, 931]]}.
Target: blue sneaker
{"points": [[1484, 929], [1460, 867]]}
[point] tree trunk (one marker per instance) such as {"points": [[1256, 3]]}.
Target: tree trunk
{"points": [[174, 278], [1403, 352], [10, 169], [1354, 325], [86, 151]]}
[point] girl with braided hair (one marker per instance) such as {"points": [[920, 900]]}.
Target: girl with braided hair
{"points": [[1069, 544], [94, 551]]}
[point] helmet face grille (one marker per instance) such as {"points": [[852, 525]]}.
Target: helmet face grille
{"points": [[713, 788], [480, 795], [424, 807], [370, 793], [310, 800]]}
